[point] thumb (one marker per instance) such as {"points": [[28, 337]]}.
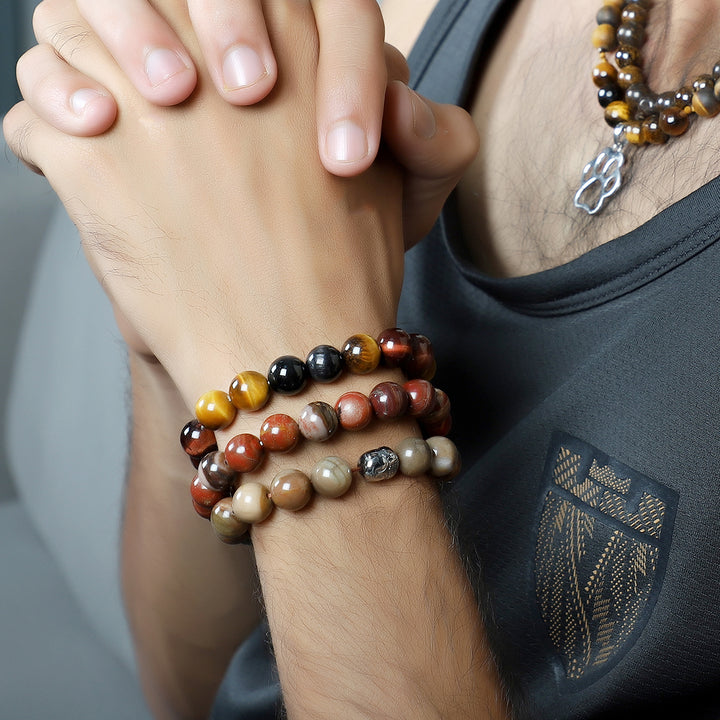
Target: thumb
{"points": [[435, 144]]}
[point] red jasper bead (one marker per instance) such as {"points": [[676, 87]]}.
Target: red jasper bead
{"points": [[244, 453], [421, 364], [354, 410], [389, 400], [279, 433], [197, 440], [422, 397], [395, 345], [204, 497], [441, 409]]}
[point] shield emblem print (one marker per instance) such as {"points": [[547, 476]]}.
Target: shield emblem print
{"points": [[602, 544]]}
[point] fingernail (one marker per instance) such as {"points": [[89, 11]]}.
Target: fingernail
{"points": [[80, 99], [242, 67], [346, 142], [424, 123], [161, 64]]}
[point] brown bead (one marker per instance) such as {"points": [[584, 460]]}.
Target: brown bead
{"points": [[318, 421], [617, 112], [608, 15], [422, 397], [249, 391], [683, 97], [197, 440], [666, 100], [652, 131], [331, 477], [445, 461], [640, 100], [604, 37], [634, 13], [634, 133], [291, 490], [361, 354], [421, 363], [244, 453], [441, 409], [630, 33], [703, 81], [704, 102], [604, 74], [354, 410], [204, 496], [415, 456], [279, 433], [389, 400], [615, 3], [630, 75], [627, 55], [215, 472], [673, 121], [227, 527], [215, 410], [251, 503], [395, 345]]}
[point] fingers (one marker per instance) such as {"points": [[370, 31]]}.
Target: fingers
{"points": [[62, 96], [435, 144], [351, 83], [236, 47], [143, 45], [19, 126]]}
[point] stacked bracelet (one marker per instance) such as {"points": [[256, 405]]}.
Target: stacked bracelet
{"points": [[232, 508]]}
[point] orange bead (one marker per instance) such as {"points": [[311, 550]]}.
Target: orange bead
{"points": [[215, 410], [249, 391]]}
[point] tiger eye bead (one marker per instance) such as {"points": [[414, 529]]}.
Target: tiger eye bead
{"points": [[716, 71], [251, 503], [652, 131], [608, 15], [291, 490], [215, 410], [629, 75], [445, 461], [421, 395], [318, 421], [279, 433], [615, 3], [354, 410], [604, 74], [244, 453], [331, 477], [249, 391], [287, 375], [703, 81], [673, 121], [421, 363], [415, 456], [215, 472], [626, 55], [361, 354], [630, 33], [704, 102], [634, 133], [617, 112], [389, 400], [197, 440], [634, 13], [204, 497], [666, 100], [227, 527], [683, 97], [604, 37], [324, 363], [395, 345]]}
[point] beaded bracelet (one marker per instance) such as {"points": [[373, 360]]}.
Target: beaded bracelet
{"points": [[232, 509], [288, 375]]}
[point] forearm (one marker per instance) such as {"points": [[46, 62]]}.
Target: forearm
{"points": [[189, 598]]}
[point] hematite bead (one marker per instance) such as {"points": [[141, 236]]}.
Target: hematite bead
{"points": [[445, 462], [389, 400], [611, 93], [354, 410], [421, 395], [361, 354], [395, 345], [318, 421], [244, 453], [288, 375], [251, 503], [226, 526], [197, 440], [249, 391], [291, 490], [215, 410], [204, 497], [382, 463], [279, 433], [421, 363], [415, 456], [215, 472], [331, 477], [324, 363]]}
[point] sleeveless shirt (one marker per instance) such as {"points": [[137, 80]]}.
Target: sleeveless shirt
{"points": [[586, 405]]}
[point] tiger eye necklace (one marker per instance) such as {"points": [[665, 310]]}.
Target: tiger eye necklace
{"points": [[637, 115]]}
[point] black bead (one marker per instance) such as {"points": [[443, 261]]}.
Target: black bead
{"points": [[609, 94], [287, 375], [324, 363]]}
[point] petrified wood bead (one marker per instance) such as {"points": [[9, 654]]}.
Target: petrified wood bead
{"points": [[318, 421], [215, 472], [291, 490], [415, 456], [331, 477], [227, 527], [445, 461], [251, 503]]}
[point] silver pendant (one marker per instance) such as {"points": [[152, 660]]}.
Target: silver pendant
{"points": [[602, 177]]}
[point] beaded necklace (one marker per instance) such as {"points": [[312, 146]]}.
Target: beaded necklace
{"points": [[638, 115]]}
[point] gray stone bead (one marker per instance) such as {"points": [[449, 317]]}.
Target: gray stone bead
{"points": [[380, 464], [415, 456], [331, 477], [445, 461]]}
